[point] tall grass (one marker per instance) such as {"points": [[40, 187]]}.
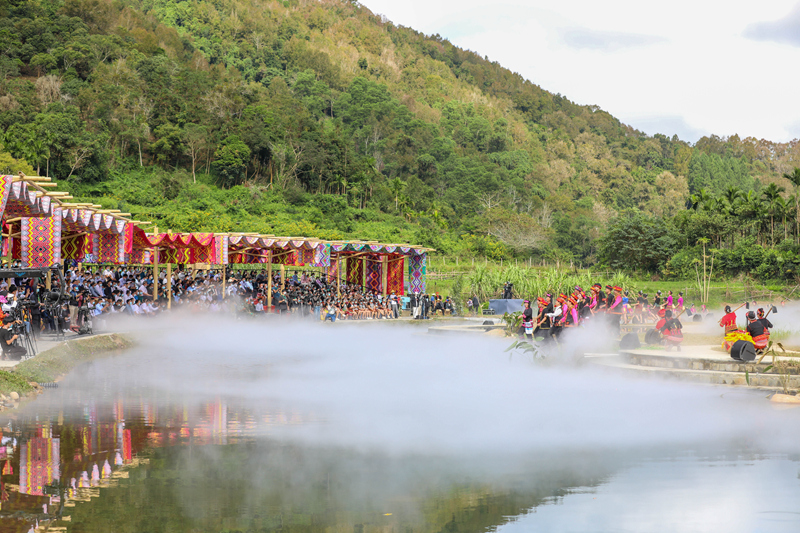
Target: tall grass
{"points": [[487, 282]]}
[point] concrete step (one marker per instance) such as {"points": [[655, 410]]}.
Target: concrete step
{"points": [[769, 381], [662, 360]]}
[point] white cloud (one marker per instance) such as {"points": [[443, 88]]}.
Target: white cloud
{"points": [[785, 30], [688, 61]]}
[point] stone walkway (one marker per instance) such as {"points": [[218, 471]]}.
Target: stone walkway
{"points": [[44, 343]]}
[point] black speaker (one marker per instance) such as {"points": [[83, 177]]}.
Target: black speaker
{"points": [[652, 336], [743, 351], [630, 342], [697, 318]]}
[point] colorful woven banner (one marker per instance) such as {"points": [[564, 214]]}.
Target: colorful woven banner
{"points": [[355, 271], [201, 255], [305, 256], [374, 273], [41, 240], [109, 248], [333, 270], [220, 250], [74, 248], [288, 259], [138, 256], [5, 190], [416, 273], [322, 256], [394, 278]]}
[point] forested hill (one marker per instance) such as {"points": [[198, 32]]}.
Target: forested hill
{"points": [[322, 118]]}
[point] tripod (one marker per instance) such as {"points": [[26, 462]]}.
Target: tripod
{"points": [[24, 332]]}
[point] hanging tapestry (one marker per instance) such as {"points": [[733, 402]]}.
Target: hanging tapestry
{"points": [[395, 275], [74, 248], [355, 271], [416, 273], [333, 270], [322, 255], [5, 189], [108, 246], [41, 240], [220, 250], [305, 256], [374, 273]]}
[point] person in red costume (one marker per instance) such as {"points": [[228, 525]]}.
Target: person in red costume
{"points": [[728, 321], [671, 329], [615, 309]]}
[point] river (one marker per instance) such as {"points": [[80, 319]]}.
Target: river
{"points": [[224, 427]]}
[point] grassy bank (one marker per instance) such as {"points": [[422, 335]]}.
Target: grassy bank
{"points": [[54, 363]]}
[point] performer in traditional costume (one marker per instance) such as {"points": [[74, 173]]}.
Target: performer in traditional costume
{"points": [[728, 321], [615, 309], [679, 307], [764, 320], [543, 321], [670, 302], [558, 316], [657, 301], [527, 320], [757, 330], [672, 331]]}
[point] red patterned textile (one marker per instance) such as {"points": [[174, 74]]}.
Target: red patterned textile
{"points": [[41, 240], [333, 270], [74, 248], [394, 281], [355, 271], [374, 273], [107, 248]]}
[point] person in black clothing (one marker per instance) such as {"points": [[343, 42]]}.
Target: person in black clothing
{"points": [[7, 338], [508, 290], [758, 331], [542, 320], [527, 320], [764, 320]]}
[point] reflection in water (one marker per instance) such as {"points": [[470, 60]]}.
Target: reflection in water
{"points": [[236, 445]]}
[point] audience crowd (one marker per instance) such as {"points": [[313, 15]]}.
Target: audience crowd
{"points": [[103, 292]]}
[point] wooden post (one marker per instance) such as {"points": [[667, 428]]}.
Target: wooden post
{"points": [[169, 279], [169, 285], [339, 275], [269, 280], [384, 273], [155, 274], [48, 281], [155, 268], [283, 277]]}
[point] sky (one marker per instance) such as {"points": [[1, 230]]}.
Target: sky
{"points": [[685, 67]]}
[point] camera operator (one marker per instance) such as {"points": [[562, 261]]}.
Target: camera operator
{"points": [[7, 338]]}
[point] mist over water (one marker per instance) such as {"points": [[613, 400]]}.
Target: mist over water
{"points": [[377, 426], [395, 389]]}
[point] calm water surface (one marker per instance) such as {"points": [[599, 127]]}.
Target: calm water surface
{"points": [[160, 440]]}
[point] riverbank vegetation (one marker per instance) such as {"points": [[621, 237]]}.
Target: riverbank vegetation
{"points": [[323, 119]]}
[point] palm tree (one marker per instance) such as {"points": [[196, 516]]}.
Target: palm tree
{"points": [[771, 194], [397, 186], [794, 177], [732, 195], [752, 209], [781, 209], [701, 199]]}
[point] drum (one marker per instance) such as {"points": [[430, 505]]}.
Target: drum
{"points": [[743, 351], [652, 336]]}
